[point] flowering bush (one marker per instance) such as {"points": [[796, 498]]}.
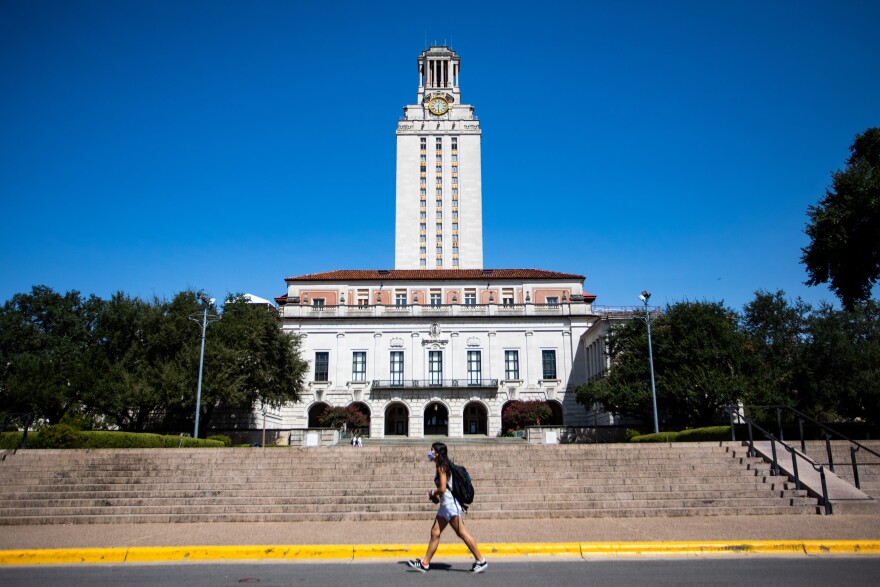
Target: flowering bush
{"points": [[350, 416], [519, 414]]}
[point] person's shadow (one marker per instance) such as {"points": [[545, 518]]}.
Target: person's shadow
{"points": [[436, 567]]}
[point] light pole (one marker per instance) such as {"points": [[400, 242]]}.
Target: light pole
{"points": [[646, 295], [204, 319]]}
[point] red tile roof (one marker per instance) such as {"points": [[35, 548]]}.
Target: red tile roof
{"points": [[433, 274]]}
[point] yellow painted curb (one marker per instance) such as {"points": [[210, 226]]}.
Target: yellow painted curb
{"points": [[374, 551]]}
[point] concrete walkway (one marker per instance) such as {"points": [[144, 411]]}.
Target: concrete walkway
{"points": [[846, 534]]}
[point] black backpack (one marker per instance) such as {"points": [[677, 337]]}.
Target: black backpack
{"points": [[462, 488]]}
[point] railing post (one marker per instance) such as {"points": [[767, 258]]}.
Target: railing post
{"points": [[797, 479], [779, 423], [775, 469], [828, 448], [828, 511], [27, 424], [751, 440], [801, 430], [732, 426], [852, 451]]}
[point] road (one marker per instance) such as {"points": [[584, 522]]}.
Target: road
{"points": [[745, 571]]}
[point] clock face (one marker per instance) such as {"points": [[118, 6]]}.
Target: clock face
{"points": [[438, 106]]}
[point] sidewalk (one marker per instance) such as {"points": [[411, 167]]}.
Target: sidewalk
{"points": [[129, 542]]}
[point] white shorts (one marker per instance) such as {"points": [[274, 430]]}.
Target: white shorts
{"points": [[447, 511]]}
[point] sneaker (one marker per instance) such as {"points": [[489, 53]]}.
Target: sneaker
{"points": [[479, 567], [417, 564]]}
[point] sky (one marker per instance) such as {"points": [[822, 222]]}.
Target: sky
{"points": [[153, 146]]}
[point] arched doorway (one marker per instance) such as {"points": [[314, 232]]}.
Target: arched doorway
{"points": [[436, 420], [315, 413], [365, 410], [476, 418], [555, 407], [396, 419]]}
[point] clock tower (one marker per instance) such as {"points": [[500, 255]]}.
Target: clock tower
{"points": [[439, 211]]}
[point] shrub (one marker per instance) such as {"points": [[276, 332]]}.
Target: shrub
{"points": [[221, 438], [337, 416], [711, 433], [57, 436], [12, 440], [519, 414], [632, 433], [656, 437], [104, 439]]}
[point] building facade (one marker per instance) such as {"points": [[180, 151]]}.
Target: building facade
{"points": [[439, 345]]}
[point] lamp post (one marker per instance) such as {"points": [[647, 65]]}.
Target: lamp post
{"points": [[204, 319], [646, 295]]}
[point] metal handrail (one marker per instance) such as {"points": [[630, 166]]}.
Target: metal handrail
{"points": [[828, 435], [794, 453]]}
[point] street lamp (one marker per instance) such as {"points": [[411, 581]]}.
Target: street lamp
{"points": [[204, 320], [646, 295]]}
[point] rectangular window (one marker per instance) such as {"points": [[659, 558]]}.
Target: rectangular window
{"points": [[436, 299], [470, 297], [359, 366], [435, 367], [511, 365], [439, 249], [400, 298], [363, 297], [318, 301], [322, 366], [455, 226], [507, 296], [548, 361], [552, 300], [422, 238], [474, 368], [396, 367]]}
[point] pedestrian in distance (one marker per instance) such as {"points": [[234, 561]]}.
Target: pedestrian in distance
{"points": [[448, 513]]}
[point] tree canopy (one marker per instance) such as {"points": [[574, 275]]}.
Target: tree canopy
{"points": [[698, 365], [844, 247], [134, 364]]}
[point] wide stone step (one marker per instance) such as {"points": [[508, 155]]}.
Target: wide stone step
{"points": [[241, 498]]}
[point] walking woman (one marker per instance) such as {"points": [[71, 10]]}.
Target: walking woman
{"points": [[449, 513]]}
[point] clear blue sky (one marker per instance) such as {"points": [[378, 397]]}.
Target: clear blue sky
{"points": [[151, 146]]}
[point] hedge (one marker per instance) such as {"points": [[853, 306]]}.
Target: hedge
{"points": [[710, 434], [657, 437], [704, 434], [107, 439]]}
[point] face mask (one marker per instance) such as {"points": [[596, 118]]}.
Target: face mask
{"points": [[430, 455]]}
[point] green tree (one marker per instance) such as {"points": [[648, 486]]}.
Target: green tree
{"points": [[46, 343], [249, 359], [842, 359], [700, 364], [777, 332], [844, 248], [139, 364]]}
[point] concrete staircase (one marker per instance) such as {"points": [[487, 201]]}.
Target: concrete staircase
{"points": [[516, 481]]}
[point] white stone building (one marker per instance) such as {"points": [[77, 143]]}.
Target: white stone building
{"points": [[439, 345]]}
